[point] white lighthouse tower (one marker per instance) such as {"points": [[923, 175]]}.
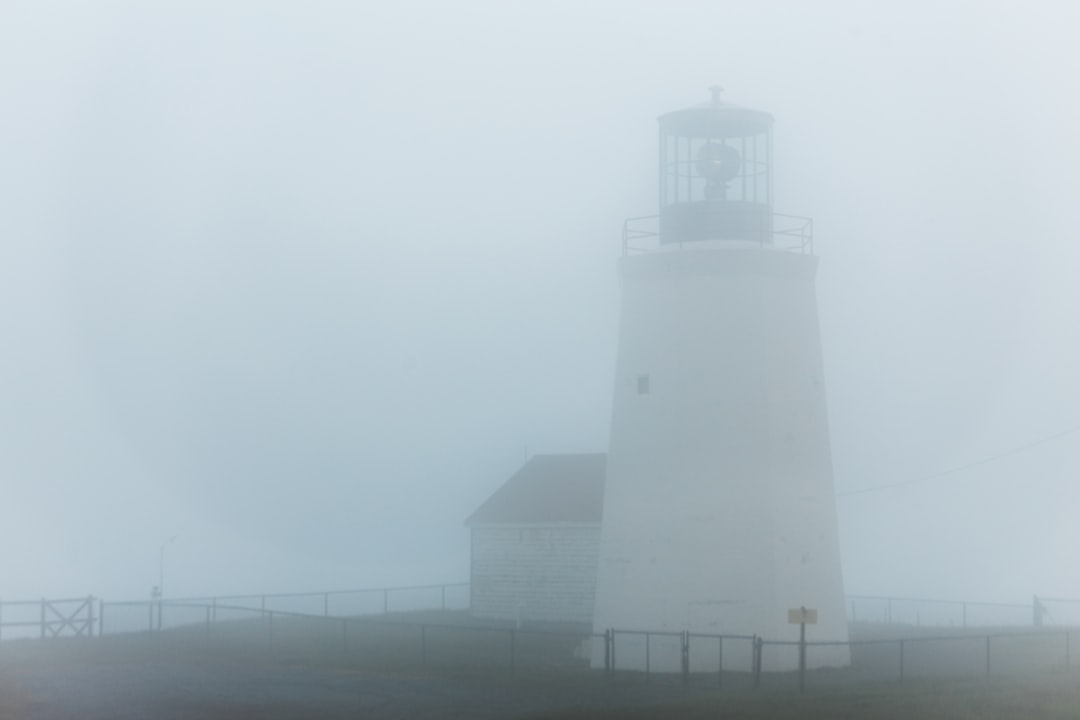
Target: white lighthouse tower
{"points": [[719, 513]]}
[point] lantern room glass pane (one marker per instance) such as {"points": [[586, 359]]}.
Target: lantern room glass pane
{"points": [[733, 169]]}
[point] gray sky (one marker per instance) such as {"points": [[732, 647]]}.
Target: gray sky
{"points": [[301, 283]]}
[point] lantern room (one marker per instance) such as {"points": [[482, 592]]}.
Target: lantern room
{"points": [[716, 174]]}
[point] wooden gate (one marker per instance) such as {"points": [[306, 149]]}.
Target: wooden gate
{"points": [[65, 617]]}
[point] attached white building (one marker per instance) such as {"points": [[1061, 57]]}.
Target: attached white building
{"points": [[535, 542]]}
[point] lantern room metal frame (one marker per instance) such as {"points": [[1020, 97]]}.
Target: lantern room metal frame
{"points": [[715, 182]]}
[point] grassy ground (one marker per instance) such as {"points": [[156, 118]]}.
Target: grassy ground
{"points": [[944, 677], [1054, 698], [1051, 693], [396, 641], [12, 705]]}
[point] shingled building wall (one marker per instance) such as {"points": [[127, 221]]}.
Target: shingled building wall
{"points": [[535, 542], [542, 573]]}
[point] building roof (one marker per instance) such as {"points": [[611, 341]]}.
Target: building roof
{"points": [[548, 489]]}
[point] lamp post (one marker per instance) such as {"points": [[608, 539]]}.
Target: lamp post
{"points": [[161, 577]]}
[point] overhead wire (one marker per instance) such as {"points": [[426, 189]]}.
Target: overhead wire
{"points": [[961, 468]]}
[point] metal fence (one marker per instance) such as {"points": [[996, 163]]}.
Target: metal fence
{"points": [[364, 601], [159, 614], [430, 626], [753, 661], [932, 612], [937, 613]]}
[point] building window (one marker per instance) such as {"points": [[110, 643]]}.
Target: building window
{"points": [[642, 384]]}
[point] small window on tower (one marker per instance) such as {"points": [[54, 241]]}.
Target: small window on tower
{"points": [[642, 384]]}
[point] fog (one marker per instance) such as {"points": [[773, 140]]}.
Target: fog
{"points": [[301, 284]]}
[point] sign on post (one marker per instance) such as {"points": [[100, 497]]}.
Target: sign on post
{"points": [[802, 616]]}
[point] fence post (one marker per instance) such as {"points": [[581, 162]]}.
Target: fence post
{"points": [[101, 617], [513, 651], [613, 665], [607, 651], [1068, 654], [685, 657], [720, 664], [901, 660], [423, 645], [89, 616], [648, 644], [802, 654], [756, 660]]}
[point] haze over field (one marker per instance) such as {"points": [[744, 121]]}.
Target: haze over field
{"points": [[302, 283]]}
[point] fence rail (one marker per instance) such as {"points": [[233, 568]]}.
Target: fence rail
{"points": [[259, 623], [791, 233], [785, 662], [54, 617], [937, 612], [159, 613]]}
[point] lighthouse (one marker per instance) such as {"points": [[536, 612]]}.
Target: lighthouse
{"points": [[718, 512]]}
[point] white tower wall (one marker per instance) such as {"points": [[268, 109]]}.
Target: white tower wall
{"points": [[719, 510]]}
